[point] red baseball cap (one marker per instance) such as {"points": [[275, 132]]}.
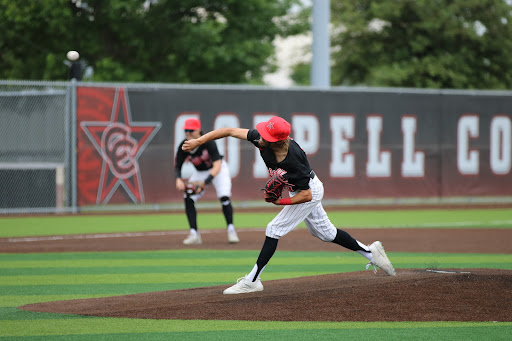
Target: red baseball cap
{"points": [[192, 124], [275, 129]]}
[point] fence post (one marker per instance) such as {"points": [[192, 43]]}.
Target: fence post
{"points": [[74, 208]]}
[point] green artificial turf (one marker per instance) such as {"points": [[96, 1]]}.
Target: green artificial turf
{"points": [[81, 224], [42, 277], [129, 329]]}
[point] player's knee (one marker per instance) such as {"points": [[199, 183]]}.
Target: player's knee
{"points": [[272, 234], [225, 201], [325, 239], [190, 200], [321, 236], [273, 231]]}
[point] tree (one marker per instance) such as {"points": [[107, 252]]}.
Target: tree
{"points": [[463, 44], [180, 41]]}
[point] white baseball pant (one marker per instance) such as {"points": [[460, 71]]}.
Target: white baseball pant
{"points": [[311, 212], [222, 182]]}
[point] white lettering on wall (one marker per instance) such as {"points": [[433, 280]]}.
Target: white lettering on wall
{"points": [[342, 159], [378, 164], [229, 147], [306, 132], [413, 162], [500, 145], [467, 159], [259, 170], [179, 135]]}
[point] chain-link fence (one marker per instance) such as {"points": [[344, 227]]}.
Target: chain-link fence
{"points": [[34, 146]]}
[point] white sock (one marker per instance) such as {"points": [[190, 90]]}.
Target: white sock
{"points": [[253, 272], [231, 228], [368, 255], [194, 232], [366, 248]]}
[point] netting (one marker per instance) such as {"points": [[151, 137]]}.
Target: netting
{"points": [[34, 146]]}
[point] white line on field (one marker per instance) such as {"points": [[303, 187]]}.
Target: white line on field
{"points": [[450, 224], [166, 233], [112, 235], [449, 272]]}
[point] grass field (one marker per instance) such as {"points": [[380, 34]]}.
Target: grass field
{"points": [[65, 225], [41, 277]]}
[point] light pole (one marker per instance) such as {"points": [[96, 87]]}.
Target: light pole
{"points": [[321, 63]]}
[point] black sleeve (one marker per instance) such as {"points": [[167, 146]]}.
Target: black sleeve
{"points": [[254, 137], [211, 146], [179, 159]]}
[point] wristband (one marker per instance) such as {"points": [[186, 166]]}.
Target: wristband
{"points": [[285, 201], [208, 179]]}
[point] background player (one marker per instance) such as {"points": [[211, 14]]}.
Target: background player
{"points": [[209, 168], [283, 155]]}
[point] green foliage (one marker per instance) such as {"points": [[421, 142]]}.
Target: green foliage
{"points": [[179, 41], [462, 44], [301, 74], [32, 38]]}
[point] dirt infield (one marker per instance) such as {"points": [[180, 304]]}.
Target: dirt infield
{"points": [[398, 240], [413, 295]]}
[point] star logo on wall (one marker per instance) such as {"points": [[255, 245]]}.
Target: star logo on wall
{"points": [[120, 142]]}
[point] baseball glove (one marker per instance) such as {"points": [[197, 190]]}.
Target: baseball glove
{"points": [[193, 188], [274, 187]]}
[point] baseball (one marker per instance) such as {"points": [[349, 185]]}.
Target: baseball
{"points": [[73, 55]]}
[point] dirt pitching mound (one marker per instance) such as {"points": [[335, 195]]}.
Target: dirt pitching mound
{"points": [[413, 295]]}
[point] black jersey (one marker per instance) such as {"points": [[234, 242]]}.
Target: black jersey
{"points": [[201, 157], [295, 165]]}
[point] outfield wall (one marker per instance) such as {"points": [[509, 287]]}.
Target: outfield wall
{"points": [[362, 143]]}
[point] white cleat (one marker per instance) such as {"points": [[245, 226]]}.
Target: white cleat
{"points": [[380, 259], [193, 239], [233, 237], [244, 286]]}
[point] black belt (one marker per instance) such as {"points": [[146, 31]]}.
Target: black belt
{"points": [[312, 174]]}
